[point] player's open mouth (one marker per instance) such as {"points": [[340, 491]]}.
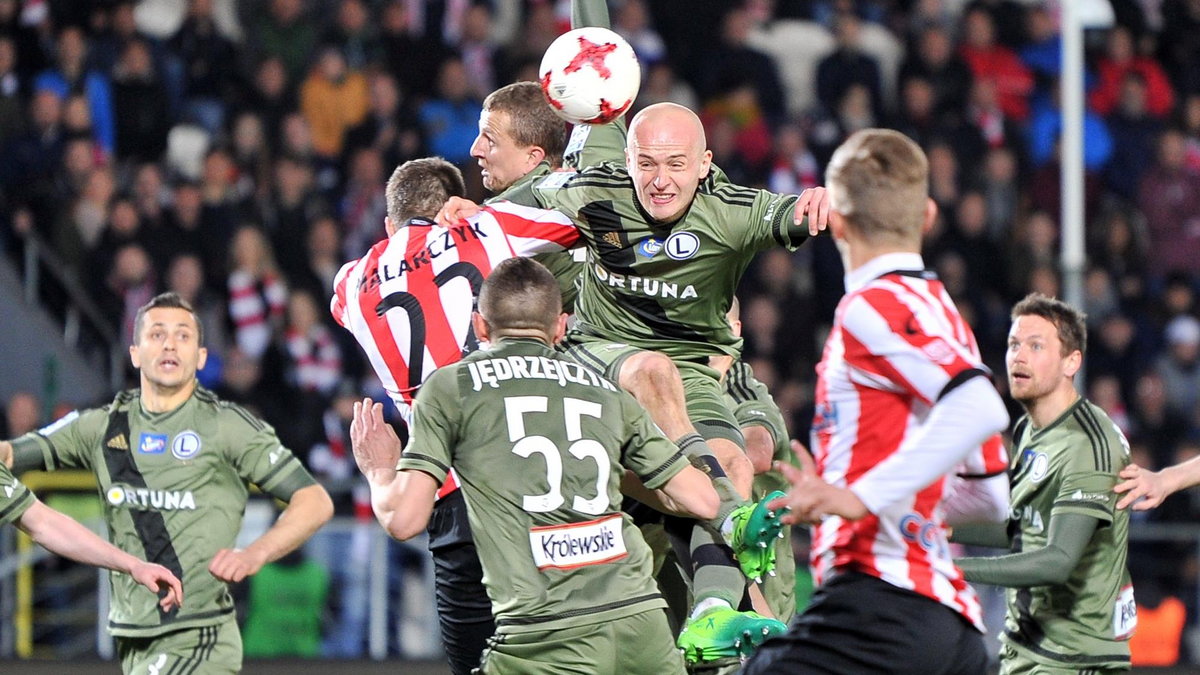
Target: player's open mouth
{"points": [[168, 364], [660, 199], [1020, 377]]}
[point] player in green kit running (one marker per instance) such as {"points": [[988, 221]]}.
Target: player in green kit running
{"points": [[1070, 600], [60, 534], [172, 462], [540, 445]]}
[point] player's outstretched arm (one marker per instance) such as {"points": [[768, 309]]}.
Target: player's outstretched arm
{"points": [[1146, 489], [811, 499], [309, 508], [1069, 534], [61, 534], [402, 500], [690, 493]]}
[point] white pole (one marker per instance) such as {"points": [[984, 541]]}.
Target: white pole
{"points": [[1071, 97]]}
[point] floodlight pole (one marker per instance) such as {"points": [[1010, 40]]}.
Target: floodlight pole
{"points": [[1072, 255]]}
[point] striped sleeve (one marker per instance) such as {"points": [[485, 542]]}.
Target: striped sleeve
{"points": [[337, 304], [895, 344], [530, 231]]}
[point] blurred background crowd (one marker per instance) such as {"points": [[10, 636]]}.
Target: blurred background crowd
{"points": [[236, 152]]}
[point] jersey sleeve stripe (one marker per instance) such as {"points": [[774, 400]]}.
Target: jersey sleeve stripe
{"points": [[677, 457], [291, 462], [1090, 416], [960, 379], [427, 459], [1093, 441], [22, 502], [1085, 506]]}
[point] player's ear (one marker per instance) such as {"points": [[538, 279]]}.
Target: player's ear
{"points": [[931, 211], [705, 164], [837, 224], [1071, 364], [560, 328], [480, 325], [135, 357], [535, 155], [202, 359], [389, 226]]}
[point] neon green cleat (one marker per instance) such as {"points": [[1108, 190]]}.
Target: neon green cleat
{"points": [[755, 529], [724, 633]]}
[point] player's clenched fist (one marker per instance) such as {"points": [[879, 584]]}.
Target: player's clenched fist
{"points": [[233, 564]]}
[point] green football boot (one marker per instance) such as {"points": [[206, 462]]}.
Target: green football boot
{"points": [[755, 529], [724, 633]]}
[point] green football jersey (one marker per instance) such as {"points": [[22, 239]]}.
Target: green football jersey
{"points": [[539, 444], [752, 405], [667, 286], [15, 498], [174, 487], [1071, 466]]}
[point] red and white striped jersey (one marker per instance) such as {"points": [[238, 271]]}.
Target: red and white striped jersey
{"points": [[408, 301], [897, 345]]}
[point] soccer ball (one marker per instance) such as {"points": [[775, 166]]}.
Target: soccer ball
{"points": [[590, 76]]}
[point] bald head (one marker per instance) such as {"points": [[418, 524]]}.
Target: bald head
{"points": [[667, 157]]}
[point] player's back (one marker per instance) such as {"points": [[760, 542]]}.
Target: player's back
{"points": [[539, 446], [897, 345], [408, 301]]}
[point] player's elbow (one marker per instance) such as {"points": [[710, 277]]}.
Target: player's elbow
{"points": [[315, 503], [403, 528]]}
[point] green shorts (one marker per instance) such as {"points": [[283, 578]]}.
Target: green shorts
{"points": [[207, 650], [1016, 661], [641, 644], [702, 388]]}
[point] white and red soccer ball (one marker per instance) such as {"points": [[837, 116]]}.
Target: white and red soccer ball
{"points": [[590, 76]]}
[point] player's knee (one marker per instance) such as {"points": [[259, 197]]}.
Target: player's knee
{"points": [[731, 457], [649, 374]]}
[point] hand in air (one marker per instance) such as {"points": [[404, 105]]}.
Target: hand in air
{"points": [[455, 209], [811, 499], [1143, 489], [813, 203], [374, 442]]}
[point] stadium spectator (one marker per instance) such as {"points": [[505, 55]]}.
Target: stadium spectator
{"points": [[390, 126], [878, 182], [520, 312], [847, 65], [994, 62], [732, 61], [1169, 196], [257, 291], [285, 33], [1179, 367], [72, 75], [333, 98], [1120, 60], [354, 34], [208, 75], [450, 119], [935, 60]]}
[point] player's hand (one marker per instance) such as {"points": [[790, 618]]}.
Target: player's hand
{"points": [[721, 363], [814, 203], [455, 209], [811, 499], [1142, 488], [161, 582], [231, 565], [374, 442]]}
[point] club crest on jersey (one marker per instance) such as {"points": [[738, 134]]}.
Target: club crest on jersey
{"points": [[1039, 464], [186, 445], [152, 444], [682, 245], [649, 247]]}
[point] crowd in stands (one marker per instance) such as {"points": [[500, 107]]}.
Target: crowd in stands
{"points": [[236, 152]]}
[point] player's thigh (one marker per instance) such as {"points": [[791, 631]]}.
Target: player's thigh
{"points": [[567, 650], [644, 645], [208, 650], [602, 356], [706, 406]]}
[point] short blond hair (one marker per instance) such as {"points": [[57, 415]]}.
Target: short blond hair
{"points": [[878, 179]]}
